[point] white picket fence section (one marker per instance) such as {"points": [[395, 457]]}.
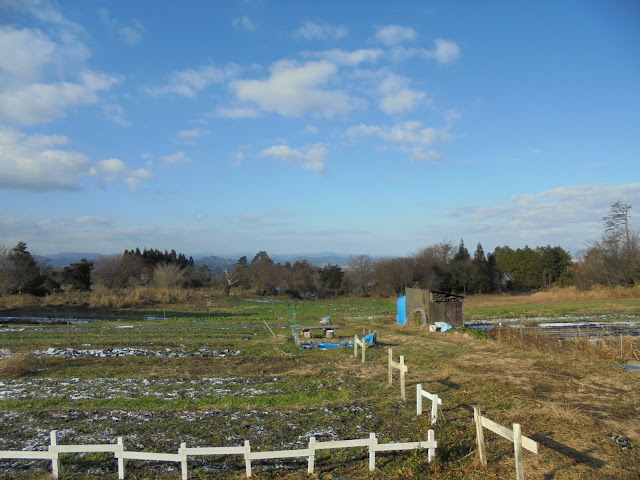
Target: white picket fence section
{"points": [[515, 436], [400, 366], [121, 455], [436, 401]]}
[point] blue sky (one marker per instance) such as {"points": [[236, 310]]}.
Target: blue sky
{"points": [[288, 126]]}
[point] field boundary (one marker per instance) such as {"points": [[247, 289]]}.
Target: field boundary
{"points": [[121, 455]]}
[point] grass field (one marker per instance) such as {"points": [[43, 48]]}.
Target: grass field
{"points": [[207, 371]]}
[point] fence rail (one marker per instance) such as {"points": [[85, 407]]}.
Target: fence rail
{"points": [[121, 455], [399, 366], [435, 402], [514, 436]]}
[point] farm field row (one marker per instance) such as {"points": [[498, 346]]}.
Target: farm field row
{"points": [[270, 392]]}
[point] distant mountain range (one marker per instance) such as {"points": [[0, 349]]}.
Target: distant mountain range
{"points": [[58, 260]]}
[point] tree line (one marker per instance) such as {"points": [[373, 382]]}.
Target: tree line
{"points": [[611, 260]]}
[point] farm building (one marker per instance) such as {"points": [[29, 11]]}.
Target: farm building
{"points": [[429, 307]]}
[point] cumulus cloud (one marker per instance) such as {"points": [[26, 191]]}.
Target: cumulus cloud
{"points": [[397, 97], [109, 169], [36, 163], [35, 103], [190, 136], [135, 177], [187, 83], [40, 163], [312, 159], [176, 158], [244, 23], [349, 58], [237, 112], [563, 213], [410, 132], [320, 31], [443, 52], [24, 52], [294, 89], [392, 35]]}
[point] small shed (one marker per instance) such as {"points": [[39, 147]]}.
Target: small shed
{"points": [[432, 306]]}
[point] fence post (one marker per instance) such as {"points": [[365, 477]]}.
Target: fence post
{"points": [[121, 460], [364, 347], [372, 451], [419, 399], [55, 462], [312, 456], [355, 346], [390, 367], [434, 408], [247, 461], [482, 457], [402, 390], [185, 471], [431, 437], [517, 449]]}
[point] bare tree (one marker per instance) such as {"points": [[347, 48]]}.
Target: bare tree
{"points": [[361, 271], [117, 271], [167, 274]]}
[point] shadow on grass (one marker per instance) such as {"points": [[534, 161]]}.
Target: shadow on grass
{"points": [[572, 453]]}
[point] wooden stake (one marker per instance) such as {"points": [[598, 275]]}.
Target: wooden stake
{"points": [[517, 449], [477, 417]]}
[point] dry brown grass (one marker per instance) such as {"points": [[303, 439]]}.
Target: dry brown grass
{"points": [[17, 365], [606, 348], [555, 295]]}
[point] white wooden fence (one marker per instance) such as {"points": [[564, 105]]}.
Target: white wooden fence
{"points": [[362, 343], [400, 366], [54, 451], [435, 402], [515, 436]]}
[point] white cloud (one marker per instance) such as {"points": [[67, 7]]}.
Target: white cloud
{"points": [[349, 58], [563, 215], [312, 159], [445, 51], [442, 52], [24, 52], [109, 169], [411, 133], [199, 216], [40, 102], [237, 112], [430, 157], [188, 83], [317, 31], [130, 34], [193, 133], [115, 113], [136, 177], [294, 89], [176, 158], [33, 163], [397, 97], [392, 35], [244, 23], [91, 220], [238, 159]]}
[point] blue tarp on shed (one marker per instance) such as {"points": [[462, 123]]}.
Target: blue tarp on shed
{"points": [[402, 310]]}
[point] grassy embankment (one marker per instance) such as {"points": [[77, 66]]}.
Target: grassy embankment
{"points": [[569, 399]]}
